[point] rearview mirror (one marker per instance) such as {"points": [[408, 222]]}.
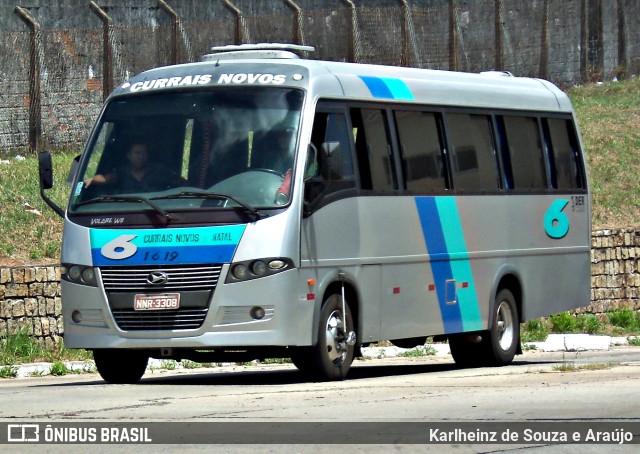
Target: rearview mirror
{"points": [[45, 169]]}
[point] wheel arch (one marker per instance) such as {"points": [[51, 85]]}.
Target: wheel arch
{"points": [[509, 279], [334, 286]]}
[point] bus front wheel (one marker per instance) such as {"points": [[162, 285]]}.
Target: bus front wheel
{"points": [[120, 366], [333, 354]]}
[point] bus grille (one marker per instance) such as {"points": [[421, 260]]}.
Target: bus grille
{"points": [[179, 278], [130, 320], [187, 280]]}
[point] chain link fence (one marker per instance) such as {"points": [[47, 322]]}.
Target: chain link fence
{"points": [[55, 79]]}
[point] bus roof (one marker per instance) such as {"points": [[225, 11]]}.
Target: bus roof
{"points": [[353, 81]]}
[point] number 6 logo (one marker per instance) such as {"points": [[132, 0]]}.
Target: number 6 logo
{"points": [[120, 248], [556, 223]]}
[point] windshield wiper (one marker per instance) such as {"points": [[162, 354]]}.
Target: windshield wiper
{"points": [[127, 198], [215, 196]]}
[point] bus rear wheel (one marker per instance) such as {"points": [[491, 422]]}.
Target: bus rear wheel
{"points": [[498, 345], [120, 366], [331, 357], [504, 333]]}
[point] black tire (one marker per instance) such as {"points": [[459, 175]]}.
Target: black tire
{"points": [[120, 366], [331, 357], [302, 358], [409, 342], [498, 345], [504, 333], [467, 350]]}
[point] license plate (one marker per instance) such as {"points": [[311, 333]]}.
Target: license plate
{"points": [[168, 301]]}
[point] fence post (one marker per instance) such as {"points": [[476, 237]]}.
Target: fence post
{"points": [[595, 37], [164, 6], [107, 51], [298, 33], [453, 36], [35, 101], [497, 34], [584, 40], [544, 42], [239, 38], [354, 45], [408, 36], [623, 63]]}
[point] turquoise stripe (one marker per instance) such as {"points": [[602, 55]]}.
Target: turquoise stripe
{"points": [[460, 265], [399, 89], [388, 88]]}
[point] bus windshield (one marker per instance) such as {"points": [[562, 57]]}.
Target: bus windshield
{"points": [[192, 150]]}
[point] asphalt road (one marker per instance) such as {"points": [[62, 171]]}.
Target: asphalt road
{"points": [[551, 387]]}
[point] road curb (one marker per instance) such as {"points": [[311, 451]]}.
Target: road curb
{"points": [[553, 343]]}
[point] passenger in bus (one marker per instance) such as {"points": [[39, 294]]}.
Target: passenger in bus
{"points": [[139, 174]]}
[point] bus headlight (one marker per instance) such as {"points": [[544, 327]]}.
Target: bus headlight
{"points": [[254, 269], [79, 274], [74, 272], [88, 276], [240, 272], [259, 268]]}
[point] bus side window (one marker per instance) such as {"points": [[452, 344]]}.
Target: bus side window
{"points": [[373, 147], [525, 153], [474, 164], [420, 143], [333, 167], [565, 170]]}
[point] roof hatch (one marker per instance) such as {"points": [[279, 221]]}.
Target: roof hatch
{"points": [[251, 51]]}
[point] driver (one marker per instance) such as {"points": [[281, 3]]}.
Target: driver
{"points": [[282, 163], [138, 174], [283, 155]]}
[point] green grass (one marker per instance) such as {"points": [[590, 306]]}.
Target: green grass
{"points": [[20, 348], [422, 350], [609, 119], [26, 237], [58, 368], [621, 322], [571, 367]]}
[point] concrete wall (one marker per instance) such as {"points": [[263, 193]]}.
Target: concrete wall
{"points": [[30, 300], [30, 296]]}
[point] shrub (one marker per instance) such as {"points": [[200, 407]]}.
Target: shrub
{"points": [[59, 368], [623, 318], [534, 331], [563, 322], [589, 324]]}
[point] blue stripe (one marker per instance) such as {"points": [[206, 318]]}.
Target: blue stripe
{"points": [[388, 88], [434, 236], [377, 87], [222, 253]]}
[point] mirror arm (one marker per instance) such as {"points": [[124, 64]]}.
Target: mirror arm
{"points": [[59, 211]]}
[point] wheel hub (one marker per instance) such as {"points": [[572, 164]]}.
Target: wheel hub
{"points": [[505, 326], [336, 341]]}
